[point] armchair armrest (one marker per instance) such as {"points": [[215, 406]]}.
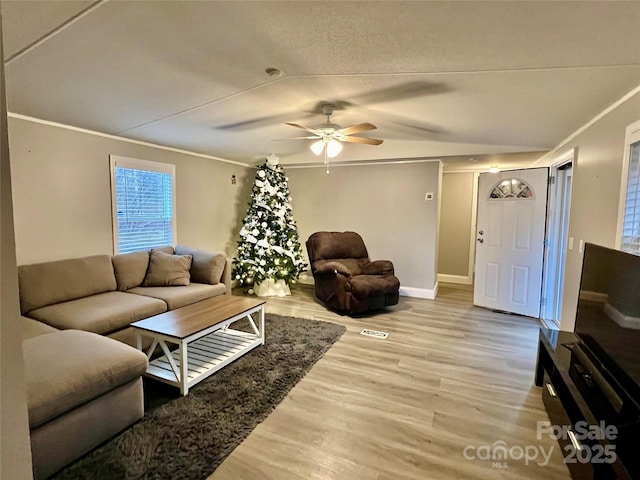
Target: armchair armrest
{"points": [[378, 267], [333, 267]]}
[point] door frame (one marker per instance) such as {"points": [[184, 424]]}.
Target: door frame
{"points": [[541, 237], [474, 223], [555, 256], [468, 279]]}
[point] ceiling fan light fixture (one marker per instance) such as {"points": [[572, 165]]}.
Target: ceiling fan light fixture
{"points": [[333, 148], [317, 147]]}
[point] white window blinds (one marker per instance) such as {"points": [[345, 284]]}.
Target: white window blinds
{"points": [[631, 215], [143, 203]]}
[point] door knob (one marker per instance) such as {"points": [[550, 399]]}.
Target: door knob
{"points": [[480, 240], [481, 232]]}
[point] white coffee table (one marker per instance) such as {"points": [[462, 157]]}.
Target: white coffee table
{"points": [[205, 342]]}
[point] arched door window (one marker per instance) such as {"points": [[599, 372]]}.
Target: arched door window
{"points": [[511, 188]]}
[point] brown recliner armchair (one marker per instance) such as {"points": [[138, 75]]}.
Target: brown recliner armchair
{"points": [[344, 277]]}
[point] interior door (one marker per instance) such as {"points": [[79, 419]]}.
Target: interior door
{"points": [[510, 240]]}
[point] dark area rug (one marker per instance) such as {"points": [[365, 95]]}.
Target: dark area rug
{"points": [[188, 437]]}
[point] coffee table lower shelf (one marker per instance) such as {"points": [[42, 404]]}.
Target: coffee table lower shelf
{"points": [[205, 356]]}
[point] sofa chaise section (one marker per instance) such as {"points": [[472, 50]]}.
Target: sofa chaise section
{"points": [[82, 388], [33, 328]]}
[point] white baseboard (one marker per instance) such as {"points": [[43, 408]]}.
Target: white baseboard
{"points": [[461, 279], [597, 297], [419, 292]]}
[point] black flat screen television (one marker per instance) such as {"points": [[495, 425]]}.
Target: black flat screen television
{"points": [[608, 317]]}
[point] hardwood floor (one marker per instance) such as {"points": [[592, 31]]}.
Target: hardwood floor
{"points": [[449, 376]]}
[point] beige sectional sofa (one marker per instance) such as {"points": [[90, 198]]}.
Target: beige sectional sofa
{"points": [[82, 386]]}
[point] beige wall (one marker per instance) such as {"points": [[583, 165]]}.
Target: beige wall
{"points": [[596, 188], [383, 203], [62, 196], [15, 450], [455, 223]]}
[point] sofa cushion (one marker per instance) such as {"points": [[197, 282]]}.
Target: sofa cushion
{"points": [[68, 368], [54, 282], [206, 266], [33, 328], [130, 269], [102, 313], [179, 297], [167, 270], [165, 249]]}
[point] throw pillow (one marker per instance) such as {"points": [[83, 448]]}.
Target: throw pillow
{"points": [[165, 249], [167, 270], [130, 269], [207, 266]]}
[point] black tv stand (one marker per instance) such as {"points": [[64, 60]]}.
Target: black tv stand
{"points": [[576, 398]]}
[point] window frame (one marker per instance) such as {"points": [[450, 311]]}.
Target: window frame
{"points": [[632, 136], [138, 164]]}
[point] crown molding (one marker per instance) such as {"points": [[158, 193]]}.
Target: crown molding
{"points": [[122, 139]]}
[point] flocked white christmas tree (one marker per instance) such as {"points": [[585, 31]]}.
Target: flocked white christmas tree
{"points": [[269, 252]]}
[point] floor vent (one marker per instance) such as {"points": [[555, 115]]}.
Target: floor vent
{"points": [[373, 333]]}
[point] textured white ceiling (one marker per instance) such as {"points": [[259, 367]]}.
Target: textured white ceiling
{"points": [[439, 79]]}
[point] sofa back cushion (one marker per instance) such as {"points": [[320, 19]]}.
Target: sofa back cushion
{"points": [[167, 270], [130, 269], [164, 249], [47, 283], [206, 267]]}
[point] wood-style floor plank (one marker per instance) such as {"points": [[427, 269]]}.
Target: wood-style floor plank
{"points": [[449, 376]]}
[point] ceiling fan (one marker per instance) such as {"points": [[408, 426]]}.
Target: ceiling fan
{"points": [[330, 135]]}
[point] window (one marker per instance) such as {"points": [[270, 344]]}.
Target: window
{"points": [[511, 188], [143, 203], [629, 210]]}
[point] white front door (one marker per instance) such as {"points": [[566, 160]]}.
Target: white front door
{"points": [[510, 240]]}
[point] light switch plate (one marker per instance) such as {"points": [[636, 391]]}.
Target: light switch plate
{"points": [[428, 196]]}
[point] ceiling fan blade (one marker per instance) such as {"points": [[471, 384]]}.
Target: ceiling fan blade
{"points": [[297, 138], [246, 124], [360, 127], [402, 91], [303, 128], [368, 141]]}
